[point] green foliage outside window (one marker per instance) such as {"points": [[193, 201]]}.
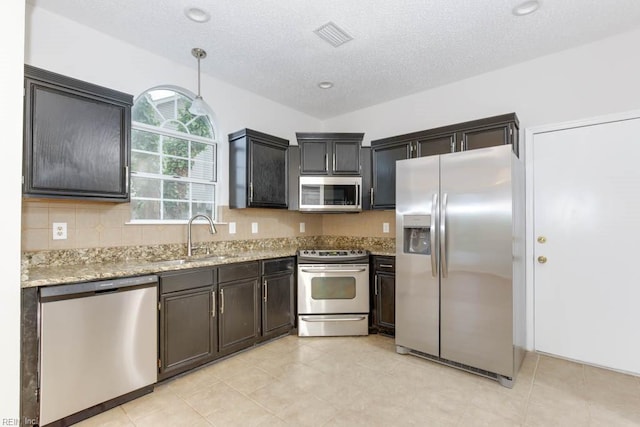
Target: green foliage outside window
{"points": [[168, 156]]}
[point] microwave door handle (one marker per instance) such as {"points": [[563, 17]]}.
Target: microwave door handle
{"points": [[432, 235], [443, 237]]}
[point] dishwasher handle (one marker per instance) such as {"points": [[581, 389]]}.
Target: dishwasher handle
{"points": [[85, 289]]}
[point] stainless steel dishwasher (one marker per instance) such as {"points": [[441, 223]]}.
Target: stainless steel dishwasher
{"points": [[98, 342]]}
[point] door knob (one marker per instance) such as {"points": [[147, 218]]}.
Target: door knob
{"points": [[542, 239], [542, 259]]}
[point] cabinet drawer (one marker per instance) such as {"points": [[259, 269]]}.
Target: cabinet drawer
{"points": [[278, 265], [231, 272], [384, 264], [183, 280]]}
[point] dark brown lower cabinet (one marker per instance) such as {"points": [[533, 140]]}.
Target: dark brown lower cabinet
{"points": [[384, 294], [188, 325], [239, 296], [278, 314], [207, 313]]}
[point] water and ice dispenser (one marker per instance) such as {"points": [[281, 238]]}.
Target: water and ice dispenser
{"points": [[416, 234]]}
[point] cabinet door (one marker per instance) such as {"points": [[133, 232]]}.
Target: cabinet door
{"points": [[488, 136], [187, 330], [77, 138], [433, 146], [239, 314], [346, 157], [314, 157], [386, 300], [277, 303], [268, 169], [384, 173]]}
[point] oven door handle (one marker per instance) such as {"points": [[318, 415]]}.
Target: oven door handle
{"points": [[326, 270], [335, 319]]}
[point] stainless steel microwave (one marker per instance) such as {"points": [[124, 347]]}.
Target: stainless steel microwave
{"points": [[330, 194]]}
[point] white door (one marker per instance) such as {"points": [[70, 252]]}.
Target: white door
{"points": [[586, 199]]}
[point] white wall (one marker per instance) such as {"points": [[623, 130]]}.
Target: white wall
{"points": [[11, 75], [591, 80], [66, 47]]}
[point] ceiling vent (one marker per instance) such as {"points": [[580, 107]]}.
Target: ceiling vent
{"points": [[333, 34]]}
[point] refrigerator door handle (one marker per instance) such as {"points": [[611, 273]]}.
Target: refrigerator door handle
{"points": [[443, 237], [434, 252]]}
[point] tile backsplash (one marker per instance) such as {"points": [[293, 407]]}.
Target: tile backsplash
{"points": [[101, 225]]}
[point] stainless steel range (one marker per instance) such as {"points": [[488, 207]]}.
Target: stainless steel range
{"points": [[333, 292]]}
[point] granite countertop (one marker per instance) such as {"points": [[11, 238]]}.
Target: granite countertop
{"points": [[47, 268], [45, 276]]}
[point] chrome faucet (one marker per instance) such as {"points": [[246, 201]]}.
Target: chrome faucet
{"points": [[212, 230]]}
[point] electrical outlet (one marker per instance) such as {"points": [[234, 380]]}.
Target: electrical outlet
{"points": [[232, 228], [254, 227], [385, 227], [302, 227], [59, 231]]}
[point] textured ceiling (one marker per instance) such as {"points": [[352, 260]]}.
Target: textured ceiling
{"points": [[400, 46]]}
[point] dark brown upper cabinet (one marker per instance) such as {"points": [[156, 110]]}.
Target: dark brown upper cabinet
{"points": [[323, 153], [487, 132], [258, 170], [77, 137]]}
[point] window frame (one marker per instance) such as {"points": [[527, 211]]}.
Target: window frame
{"points": [[170, 133]]}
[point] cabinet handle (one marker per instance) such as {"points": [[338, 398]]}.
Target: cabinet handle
{"points": [[371, 197], [250, 192], [221, 301], [266, 290], [334, 161], [326, 162], [213, 303], [386, 266], [126, 180], [375, 286]]}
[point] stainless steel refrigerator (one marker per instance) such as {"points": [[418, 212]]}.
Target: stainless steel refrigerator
{"points": [[460, 296]]}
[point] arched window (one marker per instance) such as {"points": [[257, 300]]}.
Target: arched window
{"points": [[173, 159]]}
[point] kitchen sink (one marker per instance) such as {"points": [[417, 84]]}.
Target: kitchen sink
{"points": [[196, 258]]}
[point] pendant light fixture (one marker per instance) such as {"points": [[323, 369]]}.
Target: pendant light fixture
{"points": [[198, 108]]}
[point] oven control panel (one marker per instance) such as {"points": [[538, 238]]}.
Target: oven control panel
{"points": [[333, 255]]}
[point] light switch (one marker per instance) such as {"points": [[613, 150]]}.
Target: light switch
{"points": [[59, 231], [232, 228], [385, 227], [254, 227], [302, 227]]}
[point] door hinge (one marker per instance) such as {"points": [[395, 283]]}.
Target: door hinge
{"points": [[159, 363]]}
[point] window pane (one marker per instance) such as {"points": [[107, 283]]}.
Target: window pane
{"points": [[176, 190], [202, 171], [145, 187], [143, 162], [202, 208], [175, 147], [176, 210], [333, 288], [145, 209], [144, 112], [203, 192], [201, 127], [175, 167], [201, 151], [145, 141]]}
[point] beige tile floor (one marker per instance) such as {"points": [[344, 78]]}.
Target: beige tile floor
{"points": [[361, 381]]}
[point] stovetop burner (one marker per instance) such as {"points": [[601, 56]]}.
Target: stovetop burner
{"points": [[333, 255]]}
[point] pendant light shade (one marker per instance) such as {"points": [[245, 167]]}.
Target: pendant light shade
{"points": [[198, 107]]}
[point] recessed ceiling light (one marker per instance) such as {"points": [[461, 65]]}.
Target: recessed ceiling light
{"points": [[526, 8], [197, 15], [325, 85]]}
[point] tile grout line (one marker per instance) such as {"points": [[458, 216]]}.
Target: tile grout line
{"points": [[533, 381]]}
